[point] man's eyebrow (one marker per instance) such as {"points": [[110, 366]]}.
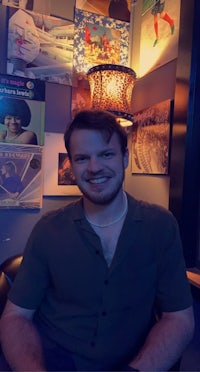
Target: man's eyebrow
{"points": [[80, 154]]}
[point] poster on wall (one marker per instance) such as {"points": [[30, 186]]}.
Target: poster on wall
{"points": [[58, 177], [159, 34], [20, 176], [97, 40], [24, 4], [151, 139], [22, 110], [81, 99], [40, 46], [57, 8], [120, 9]]}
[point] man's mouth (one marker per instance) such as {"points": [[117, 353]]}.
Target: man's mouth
{"points": [[98, 180]]}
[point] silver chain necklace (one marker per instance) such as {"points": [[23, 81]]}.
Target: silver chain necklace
{"points": [[115, 220]]}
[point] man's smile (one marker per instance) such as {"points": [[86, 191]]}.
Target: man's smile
{"points": [[98, 180]]}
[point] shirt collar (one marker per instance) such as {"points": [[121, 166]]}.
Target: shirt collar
{"points": [[134, 209]]}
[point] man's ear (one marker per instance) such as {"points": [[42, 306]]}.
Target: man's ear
{"points": [[126, 159]]}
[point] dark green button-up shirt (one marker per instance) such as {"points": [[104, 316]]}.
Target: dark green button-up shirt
{"points": [[99, 312]]}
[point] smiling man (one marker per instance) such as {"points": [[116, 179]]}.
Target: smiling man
{"points": [[102, 286]]}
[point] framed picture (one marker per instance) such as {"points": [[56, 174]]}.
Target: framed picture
{"points": [[56, 8], [110, 8], [24, 4], [81, 99], [20, 176], [58, 178], [22, 110], [99, 40], [45, 53], [159, 34], [151, 139]]}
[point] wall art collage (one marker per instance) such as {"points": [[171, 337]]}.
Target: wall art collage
{"points": [[58, 42], [50, 41]]}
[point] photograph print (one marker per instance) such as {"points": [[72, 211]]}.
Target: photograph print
{"points": [[99, 40], [55, 8], [151, 139], [159, 34], [58, 177], [40, 46], [22, 110], [20, 176]]}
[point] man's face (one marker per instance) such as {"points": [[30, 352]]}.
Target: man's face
{"points": [[98, 166], [13, 123]]}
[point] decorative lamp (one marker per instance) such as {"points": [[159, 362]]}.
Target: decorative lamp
{"points": [[111, 89]]}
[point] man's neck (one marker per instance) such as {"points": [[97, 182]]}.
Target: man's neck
{"points": [[103, 214]]}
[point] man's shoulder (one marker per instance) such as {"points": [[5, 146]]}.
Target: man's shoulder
{"points": [[152, 218], [63, 214], [143, 209]]}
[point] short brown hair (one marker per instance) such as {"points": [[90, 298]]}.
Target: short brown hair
{"points": [[102, 121]]}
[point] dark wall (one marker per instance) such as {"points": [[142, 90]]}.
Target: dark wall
{"points": [[184, 195], [190, 218], [16, 225]]}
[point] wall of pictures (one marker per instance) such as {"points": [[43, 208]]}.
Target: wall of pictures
{"points": [[60, 28], [52, 43]]}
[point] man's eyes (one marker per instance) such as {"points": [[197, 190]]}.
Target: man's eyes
{"points": [[104, 155], [80, 159], [108, 155]]}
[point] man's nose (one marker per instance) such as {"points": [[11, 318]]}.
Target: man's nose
{"points": [[94, 165]]}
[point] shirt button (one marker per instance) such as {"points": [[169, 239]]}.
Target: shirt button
{"points": [[97, 252], [104, 313], [92, 343]]}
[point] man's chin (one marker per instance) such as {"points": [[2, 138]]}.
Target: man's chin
{"points": [[100, 198]]}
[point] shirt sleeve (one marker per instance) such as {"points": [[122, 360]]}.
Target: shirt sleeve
{"points": [[173, 290]]}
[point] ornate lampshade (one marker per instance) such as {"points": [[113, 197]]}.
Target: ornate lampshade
{"points": [[111, 89]]}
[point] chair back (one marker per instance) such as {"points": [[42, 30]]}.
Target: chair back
{"points": [[10, 266], [8, 271], [4, 288]]}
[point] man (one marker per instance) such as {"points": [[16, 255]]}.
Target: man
{"points": [[97, 273]]}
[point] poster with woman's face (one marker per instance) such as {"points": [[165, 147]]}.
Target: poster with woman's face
{"points": [[22, 111]]}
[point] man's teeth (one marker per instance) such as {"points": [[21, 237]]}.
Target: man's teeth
{"points": [[98, 180]]}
